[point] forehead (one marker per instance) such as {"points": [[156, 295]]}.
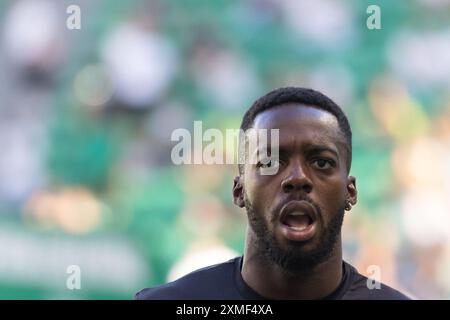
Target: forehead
{"points": [[300, 124]]}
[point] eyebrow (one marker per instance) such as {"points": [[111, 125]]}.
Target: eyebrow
{"points": [[320, 148], [311, 148]]}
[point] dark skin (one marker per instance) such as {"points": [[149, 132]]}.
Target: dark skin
{"points": [[303, 170]]}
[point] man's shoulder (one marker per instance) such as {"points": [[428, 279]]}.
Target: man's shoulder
{"points": [[363, 288], [212, 282]]}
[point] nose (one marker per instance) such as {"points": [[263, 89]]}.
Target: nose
{"points": [[297, 180]]}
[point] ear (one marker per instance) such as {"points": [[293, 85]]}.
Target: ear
{"points": [[352, 192], [238, 192]]}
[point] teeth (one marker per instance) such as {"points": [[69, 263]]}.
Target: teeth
{"points": [[298, 229], [297, 213]]}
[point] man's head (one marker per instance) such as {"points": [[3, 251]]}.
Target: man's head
{"points": [[302, 96], [295, 215]]}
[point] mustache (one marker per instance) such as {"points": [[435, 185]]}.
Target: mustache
{"points": [[275, 214]]}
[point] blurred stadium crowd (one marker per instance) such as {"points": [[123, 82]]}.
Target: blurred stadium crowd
{"points": [[86, 117]]}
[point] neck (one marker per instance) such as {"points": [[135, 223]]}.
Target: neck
{"points": [[271, 281]]}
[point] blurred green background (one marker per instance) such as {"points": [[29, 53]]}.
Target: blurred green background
{"points": [[86, 176]]}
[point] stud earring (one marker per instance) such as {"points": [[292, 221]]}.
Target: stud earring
{"points": [[348, 206]]}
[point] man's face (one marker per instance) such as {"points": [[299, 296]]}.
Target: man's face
{"points": [[296, 214]]}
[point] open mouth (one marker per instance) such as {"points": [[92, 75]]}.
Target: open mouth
{"points": [[297, 220]]}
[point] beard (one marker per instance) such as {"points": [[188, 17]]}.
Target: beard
{"points": [[294, 258]]}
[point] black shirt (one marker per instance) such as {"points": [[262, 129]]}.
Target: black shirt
{"points": [[224, 282]]}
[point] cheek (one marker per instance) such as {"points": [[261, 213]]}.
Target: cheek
{"points": [[261, 191], [331, 195]]}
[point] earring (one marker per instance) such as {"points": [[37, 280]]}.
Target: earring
{"points": [[348, 206]]}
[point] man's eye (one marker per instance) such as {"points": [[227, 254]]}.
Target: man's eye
{"points": [[323, 164], [268, 163]]}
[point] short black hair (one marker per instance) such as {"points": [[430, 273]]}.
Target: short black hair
{"points": [[305, 96]]}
